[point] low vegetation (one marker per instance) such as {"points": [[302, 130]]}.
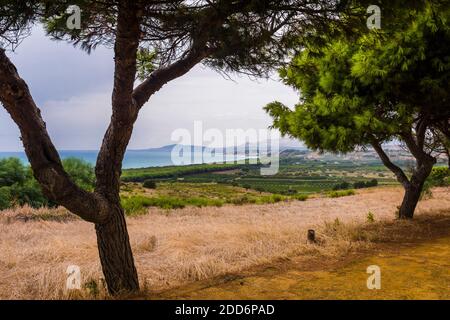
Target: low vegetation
{"points": [[19, 188], [174, 172], [210, 184], [343, 193]]}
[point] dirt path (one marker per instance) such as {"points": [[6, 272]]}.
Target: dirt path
{"points": [[418, 272]]}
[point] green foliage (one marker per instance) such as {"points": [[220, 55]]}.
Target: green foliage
{"points": [[136, 205], [338, 194], [439, 177], [300, 197], [18, 186], [5, 198], [342, 186], [149, 184], [12, 171], [174, 172], [365, 184], [28, 193], [145, 63], [353, 91], [81, 172]]}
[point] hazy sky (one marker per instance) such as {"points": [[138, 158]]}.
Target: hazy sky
{"points": [[73, 90]]}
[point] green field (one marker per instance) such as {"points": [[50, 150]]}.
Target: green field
{"points": [[220, 184]]}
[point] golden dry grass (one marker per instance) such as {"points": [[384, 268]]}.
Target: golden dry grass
{"points": [[180, 246]]}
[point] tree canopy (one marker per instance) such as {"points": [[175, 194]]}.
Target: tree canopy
{"points": [[385, 85]]}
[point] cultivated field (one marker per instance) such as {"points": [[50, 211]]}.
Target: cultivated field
{"points": [[176, 247]]}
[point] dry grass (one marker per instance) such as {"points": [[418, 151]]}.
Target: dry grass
{"points": [[179, 246]]}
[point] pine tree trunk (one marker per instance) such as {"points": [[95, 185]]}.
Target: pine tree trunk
{"points": [[116, 256], [410, 200]]}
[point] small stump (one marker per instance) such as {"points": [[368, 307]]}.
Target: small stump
{"points": [[311, 238]]}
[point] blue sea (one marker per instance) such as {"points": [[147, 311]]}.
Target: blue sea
{"points": [[133, 158]]}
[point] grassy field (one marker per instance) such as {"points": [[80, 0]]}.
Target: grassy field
{"points": [[238, 184], [175, 195], [174, 172], [414, 270], [179, 247]]}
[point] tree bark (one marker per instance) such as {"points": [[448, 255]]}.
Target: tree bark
{"points": [[413, 186], [101, 207], [410, 200], [116, 256]]}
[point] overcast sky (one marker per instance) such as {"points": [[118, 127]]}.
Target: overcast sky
{"points": [[73, 90]]}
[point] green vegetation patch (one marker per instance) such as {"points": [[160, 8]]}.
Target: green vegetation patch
{"points": [[338, 194]]}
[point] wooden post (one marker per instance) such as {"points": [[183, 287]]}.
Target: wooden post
{"points": [[311, 237]]}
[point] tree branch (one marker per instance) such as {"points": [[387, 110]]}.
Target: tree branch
{"points": [[415, 149], [44, 159], [162, 76], [401, 176], [124, 108]]}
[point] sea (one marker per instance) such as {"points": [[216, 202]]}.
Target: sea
{"points": [[133, 158]]}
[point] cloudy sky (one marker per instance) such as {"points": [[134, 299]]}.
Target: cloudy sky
{"points": [[73, 90]]}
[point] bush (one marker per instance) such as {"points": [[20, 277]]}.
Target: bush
{"points": [[365, 184], [342, 186], [18, 186], [338, 194], [149, 184], [5, 198], [301, 197], [28, 193], [439, 177], [81, 172], [277, 198], [12, 171]]}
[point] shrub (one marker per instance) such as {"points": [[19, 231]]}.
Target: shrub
{"points": [[20, 188], [149, 184], [5, 198], [365, 184], [372, 183], [30, 194], [300, 197], [277, 198], [439, 177], [81, 172], [338, 194], [240, 200], [342, 186], [12, 171]]}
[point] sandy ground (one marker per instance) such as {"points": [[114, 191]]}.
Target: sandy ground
{"points": [[177, 247]]}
